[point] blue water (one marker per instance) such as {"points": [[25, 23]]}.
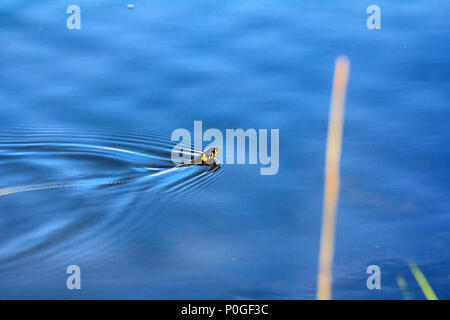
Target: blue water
{"points": [[98, 105]]}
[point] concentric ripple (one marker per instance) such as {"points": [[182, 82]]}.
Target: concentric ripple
{"points": [[85, 189]]}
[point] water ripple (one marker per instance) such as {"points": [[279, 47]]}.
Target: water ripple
{"points": [[95, 188]]}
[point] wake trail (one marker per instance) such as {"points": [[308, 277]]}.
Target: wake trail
{"points": [[13, 190]]}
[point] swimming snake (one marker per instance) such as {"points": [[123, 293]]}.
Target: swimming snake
{"points": [[206, 158]]}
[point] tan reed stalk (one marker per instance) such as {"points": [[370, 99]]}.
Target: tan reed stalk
{"points": [[331, 190]]}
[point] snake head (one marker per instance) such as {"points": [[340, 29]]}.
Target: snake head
{"points": [[209, 155]]}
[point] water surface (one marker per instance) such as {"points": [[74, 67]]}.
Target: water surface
{"points": [[98, 105]]}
